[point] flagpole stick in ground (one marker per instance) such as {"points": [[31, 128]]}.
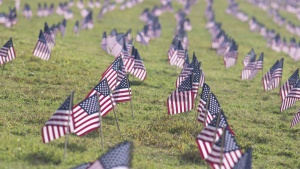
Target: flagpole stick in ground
{"points": [[206, 110], [130, 95], [69, 113]]}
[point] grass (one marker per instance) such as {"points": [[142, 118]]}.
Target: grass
{"points": [[32, 89]]}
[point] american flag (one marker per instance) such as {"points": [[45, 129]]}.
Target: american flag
{"points": [[289, 84], [41, 49], [207, 138], [76, 27], [249, 57], [231, 56], [171, 49], [272, 78], [129, 60], [49, 36], [111, 73], [105, 98], [213, 109], [129, 45], [62, 27], [140, 38], [118, 157], [196, 79], [60, 123], [292, 97], [182, 99], [7, 52], [225, 156], [122, 92], [248, 68], [86, 115], [104, 41], [202, 103], [258, 66], [117, 47], [296, 119], [245, 162], [139, 69], [27, 11]]}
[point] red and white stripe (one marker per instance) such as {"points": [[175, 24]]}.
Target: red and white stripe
{"points": [[229, 159], [121, 95], [296, 119], [179, 102], [42, 51], [83, 122], [106, 103], [206, 139]]}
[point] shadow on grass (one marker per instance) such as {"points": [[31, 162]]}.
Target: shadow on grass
{"points": [[191, 157], [73, 147], [42, 158]]}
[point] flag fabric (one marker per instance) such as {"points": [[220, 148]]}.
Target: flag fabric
{"points": [[129, 60], [49, 36], [76, 27], [258, 66], [272, 78], [122, 92], [117, 47], [202, 103], [118, 157], [111, 73], [60, 123], [141, 39], [139, 69], [231, 56], [104, 41], [245, 162], [196, 79], [62, 27], [41, 49], [7, 52], [249, 57], [105, 99], [86, 115], [248, 68], [296, 119], [213, 109], [289, 84], [292, 97], [207, 138], [227, 155], [182, 99]]}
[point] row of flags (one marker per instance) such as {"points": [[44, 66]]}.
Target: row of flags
{"points": [[113, 88], [120, 45], [10, 19], [289, 91], [225, 46], [46, 39], [234, 10]]}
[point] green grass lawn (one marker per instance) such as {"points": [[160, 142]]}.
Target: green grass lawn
{"points": [[33, 89]]}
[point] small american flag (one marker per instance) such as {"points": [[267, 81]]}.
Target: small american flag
{"points": [[7, 52], [27, 11], [292, 97], [49, 36], [258, 66], [111, 73], [59, 125], [225, 156], [249, 57], [104, 41], [105, 99], [118, 157], [289, 84], [86, 115], [248, 68], [139, 69], [272, 78], [62, 27], [182, 99], [230, 57], [202, 103], [245, 162], [207, 138], [296, 119], [76, 27], [122, 92], [41, 49]]}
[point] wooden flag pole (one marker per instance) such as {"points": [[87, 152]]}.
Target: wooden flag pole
{"points": [[100, 121], [69, 114], [206, 110], [130, 95], [3, 65]]}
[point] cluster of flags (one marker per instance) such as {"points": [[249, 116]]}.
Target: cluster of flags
{"points": [[44, 11], [107, 7], [64, 9], [90, 4], [216, 142], [251, 65], [129, 4], [46, 39], [117, 157], [225, 46], [233, 9], [120, 45], [10, 19]]}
